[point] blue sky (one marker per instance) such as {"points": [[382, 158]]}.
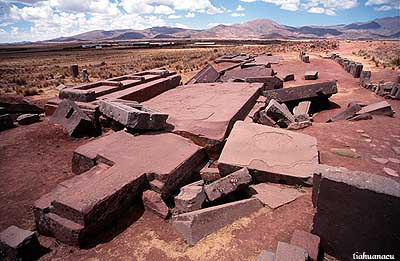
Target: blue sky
{"points": [[32, 20]]}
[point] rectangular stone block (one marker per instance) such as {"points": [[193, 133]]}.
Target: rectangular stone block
{"points": [[207, 75], [72, 118], [194, 226], [302, 108], [227, 184], [311, 92], [311, 75], [270, 154], [356, 212], [279, 113], [18, 244], [134, 118], [206, 119]]}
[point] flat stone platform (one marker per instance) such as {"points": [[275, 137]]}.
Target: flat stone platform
{"points": [[113, 169], [206, 112], [271, 154]]}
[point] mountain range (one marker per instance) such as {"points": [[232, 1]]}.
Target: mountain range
{"points": [[383, 28]]}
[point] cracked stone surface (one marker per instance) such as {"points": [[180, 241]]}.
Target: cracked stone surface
{"points": [[274, 196], [271, 154]]}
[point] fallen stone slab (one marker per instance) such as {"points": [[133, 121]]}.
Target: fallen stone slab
{"points": [[26, 119], [227, 184], [380, 108], [134, 118], [153, 201], [309, 92], [274, 196], [347, 114], [13, 105], [311, 75], [72, 118], [340, 194], [270, 154], [206, 75], [190, 198], [19, 244], [266, 256], [279, 113], [307, 241], [288, 252], [397, 161], [194, 226], [6, 122]]}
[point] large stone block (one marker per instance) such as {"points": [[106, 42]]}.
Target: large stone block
{"points": [[85, 204], [270, 154], [72, 118], [18, 244], [206, 119], [356, 212], [380, 108], [134, 118], [194, 226], [347, 114], [227, 184], [315, 91]]}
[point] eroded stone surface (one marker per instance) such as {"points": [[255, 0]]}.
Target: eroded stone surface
{"points": [[288, 252], [271, 154]]}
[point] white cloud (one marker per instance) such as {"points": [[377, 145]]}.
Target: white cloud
{"points": [[384, 5], [237, 14], [190, 15], [179, 25], [239, 8], [163, 9], [316, 10], [174, 16]]}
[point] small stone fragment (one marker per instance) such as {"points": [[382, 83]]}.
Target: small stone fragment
{"points": [[311, 75], [360, 131], [287, 252], [381, 160], [299, 125], [361, 117], [365, 135], [288, 77], [396, 150], [345, 153], [394, 160], [154, 202], [391, 172], [190, 198]]}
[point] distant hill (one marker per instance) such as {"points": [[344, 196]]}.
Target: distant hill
{"points": [[383, 28]]}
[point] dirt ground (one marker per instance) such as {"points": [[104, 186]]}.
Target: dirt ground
{"points": [[35, 158]]}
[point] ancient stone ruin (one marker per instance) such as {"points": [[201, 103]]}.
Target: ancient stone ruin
{"points": [[205, 154]]}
